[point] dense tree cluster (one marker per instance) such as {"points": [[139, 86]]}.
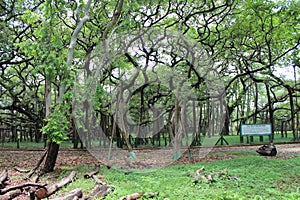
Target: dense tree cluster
{"points": [[46, 44]]}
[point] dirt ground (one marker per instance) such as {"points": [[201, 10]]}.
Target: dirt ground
{"points": [[10, 158], [27, 159]]}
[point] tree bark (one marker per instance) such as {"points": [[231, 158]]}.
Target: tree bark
{"points": [[292, 113], [51, 157], [271, 111], [53, 147]]}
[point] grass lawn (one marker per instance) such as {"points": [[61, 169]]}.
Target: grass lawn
{"points": [[259, 178]]}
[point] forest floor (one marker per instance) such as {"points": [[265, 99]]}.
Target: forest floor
{"points": [[27, 159], [10, 157]]}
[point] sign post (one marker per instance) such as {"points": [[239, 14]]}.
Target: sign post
{"points": [[255, 130]]}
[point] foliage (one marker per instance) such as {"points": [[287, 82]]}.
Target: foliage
{"points": [[57, 125], [247, 40]]}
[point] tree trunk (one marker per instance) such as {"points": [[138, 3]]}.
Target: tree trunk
{"points": [[271, 111], [292, 113], [51, 157]]}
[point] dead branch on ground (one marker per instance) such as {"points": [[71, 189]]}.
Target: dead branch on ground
{"points": [[138, 195], [51, 189], [21, 187], [3, 178], [76, 193], [94, 172], [11, 195], [209, 177], [37, 165], [100, 191], [21, 170]]}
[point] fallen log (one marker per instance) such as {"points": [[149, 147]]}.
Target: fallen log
{"points": [[94, 172], [21, 187], [100, 191], [197, 174], [76, 193], [221, 173], [210, 178], [138, 195], [11, 195], [51, 189], [133, 196], [98, 180], [3, 178]]}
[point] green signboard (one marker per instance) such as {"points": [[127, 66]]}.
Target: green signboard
{"points": [[256, 129]]}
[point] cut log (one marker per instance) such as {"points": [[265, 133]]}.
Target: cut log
{"points": [[94, 172], [21, 186], [76, 193], [98, 180], [51, 189], [11, 195], [3, 178], [133, 196]]}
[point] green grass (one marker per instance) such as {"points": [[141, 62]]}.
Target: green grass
{"points": [[232, 140], [260, 178], [235, 139], [28, 144]]}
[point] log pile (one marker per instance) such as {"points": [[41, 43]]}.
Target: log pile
{"points": [[37, 191], [210, 177]]}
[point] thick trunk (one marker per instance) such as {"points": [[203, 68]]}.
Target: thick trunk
{"points": [[51, 157]]}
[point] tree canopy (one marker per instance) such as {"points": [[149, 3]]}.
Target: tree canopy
{"points": [[46, 44]]}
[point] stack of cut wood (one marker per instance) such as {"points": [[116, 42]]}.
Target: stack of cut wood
{"points": [[37, 191]]}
